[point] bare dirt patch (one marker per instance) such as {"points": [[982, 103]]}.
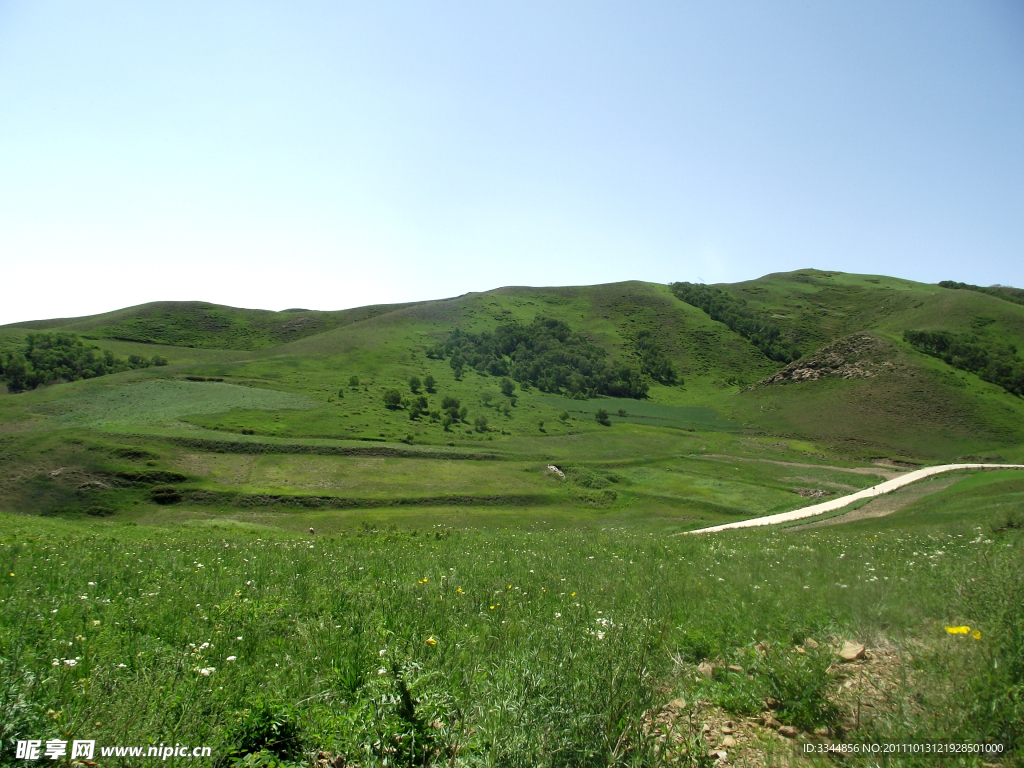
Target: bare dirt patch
{"points": [[852, 357]]}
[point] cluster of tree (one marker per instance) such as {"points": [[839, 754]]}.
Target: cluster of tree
{"points": [[50, 357], [450, 412], [1016, 295], [546, 354], [991, 362], [653, 360], [734, 313]]}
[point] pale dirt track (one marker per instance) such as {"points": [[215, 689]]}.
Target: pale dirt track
{"points": [[829, 506]]}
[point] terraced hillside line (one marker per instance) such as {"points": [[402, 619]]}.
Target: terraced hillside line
{"points": [[383, 451], [867, 493], [878, 470]]}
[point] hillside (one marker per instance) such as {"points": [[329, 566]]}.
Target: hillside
{"points": [[247, 394]]}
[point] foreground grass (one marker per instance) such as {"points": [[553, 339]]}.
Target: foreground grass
{"points": [[526, 646]]}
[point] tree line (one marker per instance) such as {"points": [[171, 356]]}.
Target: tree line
{"points": [[993, 363], [46, 358], [1015, 295], [546, 354], [737, 316]]}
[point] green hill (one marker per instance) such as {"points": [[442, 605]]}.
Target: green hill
{"points": [[246, 394]]}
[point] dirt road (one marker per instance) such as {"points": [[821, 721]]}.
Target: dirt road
{"points": [[876, 490]]}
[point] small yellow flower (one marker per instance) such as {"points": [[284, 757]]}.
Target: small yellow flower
{"points": [[510, 586], [459, 590], [492, 607], [430, 641], [573, 595], [958, 630], [10, 574], [976, 634]]}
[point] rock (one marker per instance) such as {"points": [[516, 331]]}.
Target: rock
{"points": [[772, 703], [676, 704], [726, 730], [719, 754], [763, 646], [728, 742], [851, 651], [705, 669], [771, 722], [735, 668], [800, 649], [821, 731], [788, 731], [811, 644]]}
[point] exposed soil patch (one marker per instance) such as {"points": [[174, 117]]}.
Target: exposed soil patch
{"points": [[853, 357]]}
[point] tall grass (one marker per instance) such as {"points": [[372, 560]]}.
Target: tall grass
{"points": [[461, 647]]}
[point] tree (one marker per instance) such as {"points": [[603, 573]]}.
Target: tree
{"points": [[480, 423], [414, 384], [563, 416], [507, 387], [353, 381], [486, 398], [393, 399], [417, 407], [446, 422], [622, 412], [450, 405], [429, 382], [602, 417], [540, 425]]}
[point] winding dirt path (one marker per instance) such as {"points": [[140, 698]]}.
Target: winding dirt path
{"points": [[828, 506]]}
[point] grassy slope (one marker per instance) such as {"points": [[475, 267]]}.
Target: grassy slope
{"points": [[286, 398]]}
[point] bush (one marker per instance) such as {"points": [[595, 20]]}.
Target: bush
{"points": [[480, 423], [393, 399], [602, 417], [429, 382], [415, 384], [265, 728]]}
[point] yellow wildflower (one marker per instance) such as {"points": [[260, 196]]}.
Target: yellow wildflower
{"points": [[492, 607], [976, 634], [430, 641], [459, 590], [958, 630]]}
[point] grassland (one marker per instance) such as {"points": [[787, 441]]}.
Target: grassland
{"points": [[131, 481]]}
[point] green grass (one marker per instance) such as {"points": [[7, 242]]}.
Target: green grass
{"points": [[549, 644], [160, 402]]}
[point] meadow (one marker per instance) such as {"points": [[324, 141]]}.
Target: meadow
{"points": [[513, 585], [534, 644]]}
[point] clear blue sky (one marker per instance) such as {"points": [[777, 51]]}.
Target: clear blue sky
{"points": [[327, 155]]}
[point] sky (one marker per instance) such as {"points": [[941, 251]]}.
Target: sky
{"points": [[330, 155]]}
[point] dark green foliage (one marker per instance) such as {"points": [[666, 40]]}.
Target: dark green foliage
{"points": [[50, 357], [393, 399], [165, 494], [353, 381], [429, 382], [563, 416], [734, 312], [507, 387], [480, 423], [653, 361], [265, 727], [601, 417], [152, 476], [1015, 295], [547, 354], [415, 384], [992, 362], [418, 406]]}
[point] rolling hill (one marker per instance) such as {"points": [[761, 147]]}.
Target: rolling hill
{"points": [[264, 384]]}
